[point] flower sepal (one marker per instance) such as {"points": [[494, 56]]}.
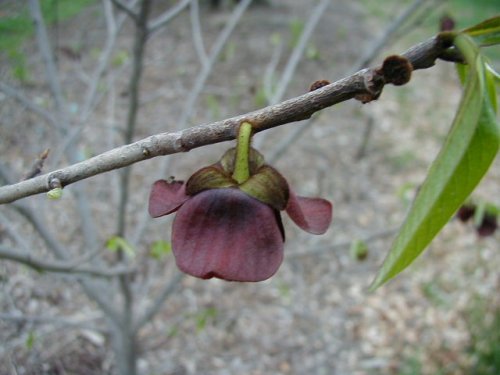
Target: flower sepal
{"points": [[268, 186], [211, 177]]}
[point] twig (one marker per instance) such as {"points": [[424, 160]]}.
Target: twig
{"points": [[378, 44], [279, 150], [195, 92], [59, 267], [149, 313], [113, 28], [221, 41], [141, 36], [367, 132], [56, 320], [196, 32], [6, 175], [94, 290], [268, 78], [29, 104], [375, 48], [128, 10], [37, 166], [166, 17], [47, 54], [288, 72], [321, 249], [364, 85], [13, 232], [298, 51]]}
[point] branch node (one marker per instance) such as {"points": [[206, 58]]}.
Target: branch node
{"points": [[54, 183], [179, 145], [374, 83]]}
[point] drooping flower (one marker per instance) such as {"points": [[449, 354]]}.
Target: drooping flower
{"points": [[228, 224]]}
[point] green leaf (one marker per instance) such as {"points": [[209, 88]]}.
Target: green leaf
{"points": [[159, 249], [117, 243], [494, 73], [486, 33], [464, 159]]}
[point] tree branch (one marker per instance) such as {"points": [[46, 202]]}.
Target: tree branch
{"points": [[19, 96], [197, 34], [316, 14], [151, 311], [47, 55], [59, 267], [365, 85], [54, 320], [141, 36], [125, 8], [165, 18], [376, 46]]}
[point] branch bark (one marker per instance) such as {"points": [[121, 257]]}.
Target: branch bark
{"points": [[365, 85]]}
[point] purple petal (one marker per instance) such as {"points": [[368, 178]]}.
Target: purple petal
{"points": [[313, 215], [166, 197], [224, 233]]}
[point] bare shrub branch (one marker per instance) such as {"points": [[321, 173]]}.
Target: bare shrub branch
{"points": [[364, 85]]}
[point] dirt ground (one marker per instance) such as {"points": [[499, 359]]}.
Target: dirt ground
{"points": [[315, 315]]}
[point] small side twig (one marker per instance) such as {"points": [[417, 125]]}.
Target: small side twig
{"points": [[150, 312], [345, 244], [160, 21], [60, 267], [298, 51], [197, 33], [29, 104], [55, 320], [125, 8], [37, 166]]}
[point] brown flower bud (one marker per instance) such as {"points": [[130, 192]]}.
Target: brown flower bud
{"points": [[397, 70], [319, 84]]}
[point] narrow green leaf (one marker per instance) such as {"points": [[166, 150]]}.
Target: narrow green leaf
{"points": [[465, 157], [493, 72], [490, 76], [486, 33]]}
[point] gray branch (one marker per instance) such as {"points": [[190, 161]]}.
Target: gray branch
{"points": [[29, 104], [365, 85], [127, 9], [166, 17], [58, 266]]}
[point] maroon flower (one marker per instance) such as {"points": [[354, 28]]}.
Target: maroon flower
{"points": [[232, 230]]}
